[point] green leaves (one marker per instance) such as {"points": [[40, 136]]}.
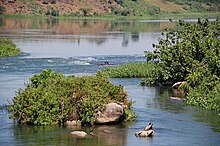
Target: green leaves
{"points": [[191, 53], [184, 48], [51, 98], [8, 48]]}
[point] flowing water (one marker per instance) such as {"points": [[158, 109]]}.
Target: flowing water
{"points": [[81, 47]]}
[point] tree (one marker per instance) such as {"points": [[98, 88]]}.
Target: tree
{"points": [[183, 50]]}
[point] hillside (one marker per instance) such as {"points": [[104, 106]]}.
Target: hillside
{"points": [[106, 7]]}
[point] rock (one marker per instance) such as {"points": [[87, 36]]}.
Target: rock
{"points": [[107, 131], [111, 113], [175, 98], [144, 133], [80, 134], [73, 123], [178, 84], [148, 132]]}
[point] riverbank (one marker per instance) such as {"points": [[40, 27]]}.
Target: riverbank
{"points": [[166, 16]]}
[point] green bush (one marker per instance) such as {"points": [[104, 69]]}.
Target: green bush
{"points": [[8, 48], [2, 10], [52, 12], [191, 53], [86, 11], [154, 10], [51, 99], [186, 48], [206, 94]]}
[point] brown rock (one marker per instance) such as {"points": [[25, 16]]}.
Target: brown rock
{"points": [[73, 123], [111, 113]]}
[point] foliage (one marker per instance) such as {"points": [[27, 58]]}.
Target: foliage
{"points": [[154, 10], [183, 50], [8, 48], [206, 94], [52, 98], [130, 70], [86, 11], [52, 12], [198, 5], [191, 53], [2, 10]]}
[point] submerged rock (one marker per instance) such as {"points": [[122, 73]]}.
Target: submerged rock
{"points": [[107, 131], [111, 113], [148, 131], [175, 98], [145, 133], [79, 134]]}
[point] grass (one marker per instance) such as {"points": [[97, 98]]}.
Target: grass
{"points": [[130, 70], [8, 48]]}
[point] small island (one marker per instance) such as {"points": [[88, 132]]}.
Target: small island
{"points": [[54, 99], [8, 48]]}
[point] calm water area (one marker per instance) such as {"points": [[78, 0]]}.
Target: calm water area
{"points": [[80, 47]]}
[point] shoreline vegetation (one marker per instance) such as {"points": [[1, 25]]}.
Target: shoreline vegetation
{"points": [[188, 15], [189, 53], [8, 48]]}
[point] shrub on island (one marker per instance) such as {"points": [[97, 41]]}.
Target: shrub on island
{"points": [[8, 48], [52, 98]]}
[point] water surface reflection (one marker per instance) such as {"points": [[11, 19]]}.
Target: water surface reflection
{"points": [[60, 37]]}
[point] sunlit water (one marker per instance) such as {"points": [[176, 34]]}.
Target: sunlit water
{"points": [[81, 47]]}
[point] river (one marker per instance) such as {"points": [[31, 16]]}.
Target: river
{"points": [[80, 47]]}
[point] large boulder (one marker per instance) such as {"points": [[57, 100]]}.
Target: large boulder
{"points": [[111, 113]]}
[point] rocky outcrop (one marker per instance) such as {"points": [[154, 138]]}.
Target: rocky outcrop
{"points": [[111, 113]]}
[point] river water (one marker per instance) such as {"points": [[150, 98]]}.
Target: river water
{"points": [[80, 47]]}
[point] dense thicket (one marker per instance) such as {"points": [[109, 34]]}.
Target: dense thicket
{"points": [[52, 98], [8, 48], [191, 53]]}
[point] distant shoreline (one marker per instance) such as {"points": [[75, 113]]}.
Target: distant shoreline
{"points": [[193, 15]]}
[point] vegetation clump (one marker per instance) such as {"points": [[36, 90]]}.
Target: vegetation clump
{"points": [[52, 98], [190, 53], [133, 70], [8, 48]]}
